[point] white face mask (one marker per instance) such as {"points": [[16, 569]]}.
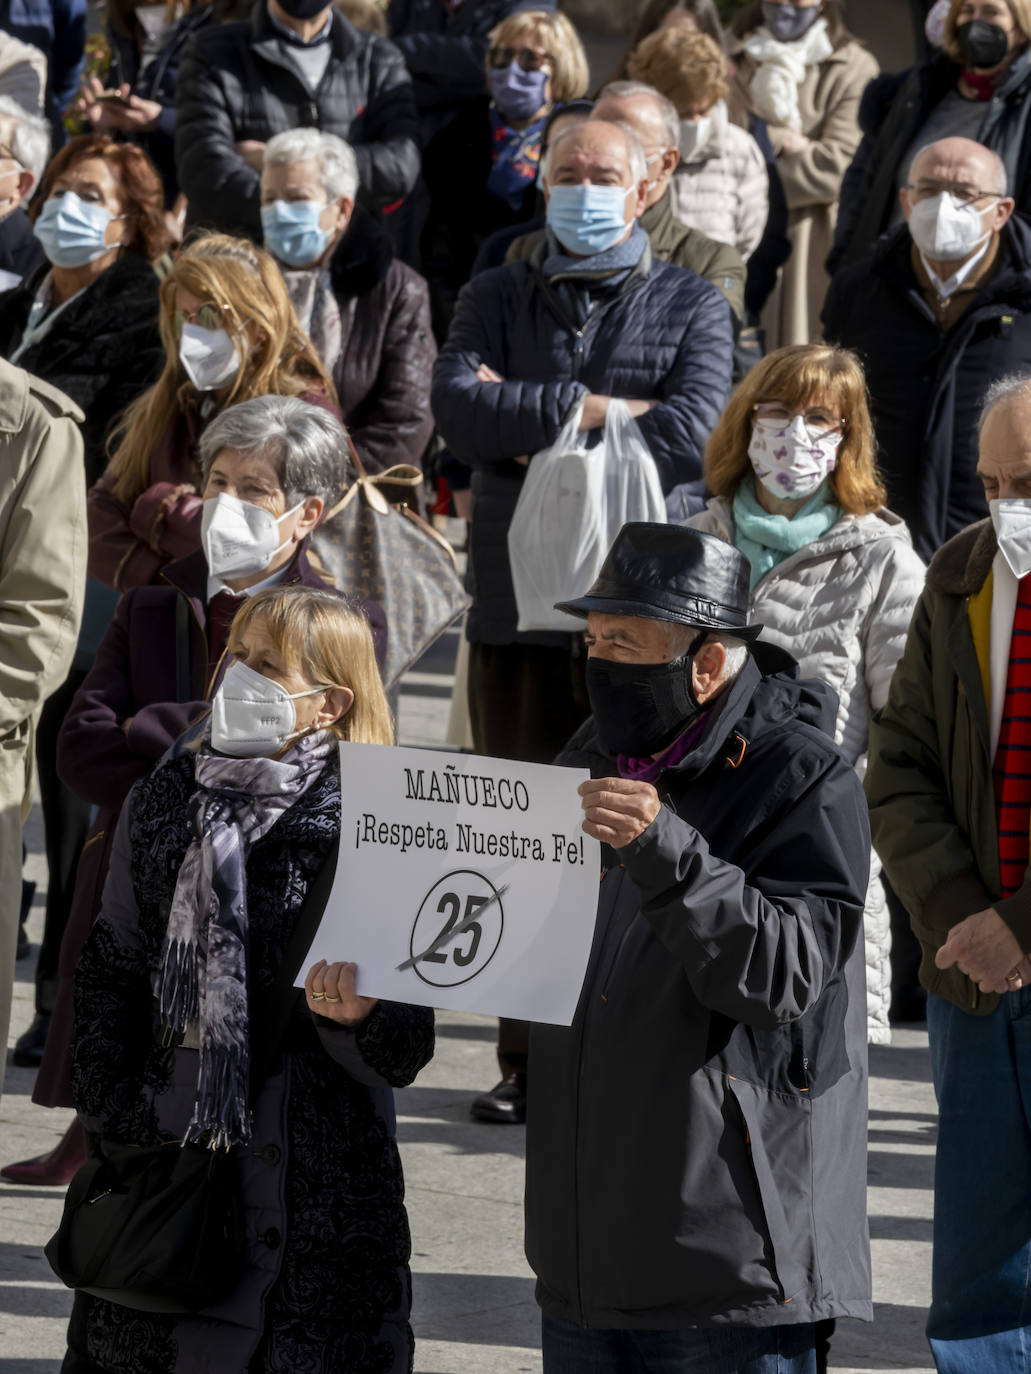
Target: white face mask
{"points": [[252, 716], [694, 134], [209, 356], [1012, 520], [946, 230], [240, 539], [789, 460]]}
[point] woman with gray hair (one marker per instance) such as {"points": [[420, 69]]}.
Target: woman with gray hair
{"points": [[366, 313], [270, 467], [24, 150]]}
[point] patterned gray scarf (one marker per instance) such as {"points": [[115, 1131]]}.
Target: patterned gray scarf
{"points": [[203, 974]]}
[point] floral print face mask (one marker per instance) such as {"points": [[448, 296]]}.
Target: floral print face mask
{"points": [[790, 458]]}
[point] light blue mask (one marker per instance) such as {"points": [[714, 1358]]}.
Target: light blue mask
{"points": [[72, 231], [587, 219], [292, 231]]}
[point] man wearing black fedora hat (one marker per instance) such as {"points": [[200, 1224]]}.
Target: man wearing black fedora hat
{"points": [[696, 1144]]}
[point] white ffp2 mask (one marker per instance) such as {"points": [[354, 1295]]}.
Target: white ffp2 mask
{"points": [[1012, 520], [946, 229], [239, 538], [209, 356], [252, 716]]}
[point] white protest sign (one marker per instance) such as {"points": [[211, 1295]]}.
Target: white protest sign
{"points": [[430, 840]]}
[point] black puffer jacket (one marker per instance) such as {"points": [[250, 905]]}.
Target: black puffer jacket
{"points": [[102, 351], [927, 387], [235, 84], [894, 111], [695, 1144], [665, 334]]}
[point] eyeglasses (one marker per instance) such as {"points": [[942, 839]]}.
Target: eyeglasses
{"points": [[818, 421], [207, 316], [924, 190], [528, 60]]}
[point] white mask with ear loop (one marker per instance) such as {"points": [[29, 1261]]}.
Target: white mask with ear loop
{"points": [[1011, 517], [239, 538], [252, 716]]}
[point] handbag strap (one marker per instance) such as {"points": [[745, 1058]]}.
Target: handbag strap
{"points": [[272, 1013], [182, 650]]}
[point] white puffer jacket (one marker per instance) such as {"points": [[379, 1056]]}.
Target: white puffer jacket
{"points": [[722, 188], [842, 607]]}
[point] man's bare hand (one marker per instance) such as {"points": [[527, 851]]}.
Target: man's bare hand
{"points": [[617, 810], [986, 950], [487, 374], [252, 150]]}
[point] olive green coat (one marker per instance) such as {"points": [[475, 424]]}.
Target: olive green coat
{"points": [[929, 781]]}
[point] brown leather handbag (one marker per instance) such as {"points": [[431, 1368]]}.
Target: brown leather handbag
{"points": [[374, 544]]}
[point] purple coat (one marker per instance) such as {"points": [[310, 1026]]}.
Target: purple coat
{"points": [[134, 678]]}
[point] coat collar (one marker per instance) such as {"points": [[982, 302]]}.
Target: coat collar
{"points": [[960, 567], [189, 575], [264, 39]]}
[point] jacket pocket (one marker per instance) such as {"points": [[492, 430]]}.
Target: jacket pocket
{"points": [[779, 1141]]}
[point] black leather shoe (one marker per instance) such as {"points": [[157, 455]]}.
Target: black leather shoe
{"points": [[29, 1047], [506, 1101]]}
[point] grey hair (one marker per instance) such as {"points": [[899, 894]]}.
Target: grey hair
{"points": [[1000, 393], [306, 444], [635, 152], [338, 166], [623, 90], [998, 166], [679, 639], [31, 142]]}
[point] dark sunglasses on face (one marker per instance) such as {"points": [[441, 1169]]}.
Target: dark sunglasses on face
{"points": [[529, 61], [206, 316]]}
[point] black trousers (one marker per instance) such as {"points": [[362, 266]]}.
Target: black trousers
{"points": [[525, 701], [65, 823]]}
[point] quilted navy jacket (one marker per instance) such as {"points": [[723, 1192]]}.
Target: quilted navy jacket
{"points": [[666, 334]]}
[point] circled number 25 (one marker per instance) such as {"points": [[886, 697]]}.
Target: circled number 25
{"points": [[451, 903]]}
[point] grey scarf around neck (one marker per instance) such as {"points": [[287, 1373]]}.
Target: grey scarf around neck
{"points": [[582, 282], [203, 974]]}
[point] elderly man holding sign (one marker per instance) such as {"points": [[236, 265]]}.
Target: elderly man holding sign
{"points": [[696, 1159]]}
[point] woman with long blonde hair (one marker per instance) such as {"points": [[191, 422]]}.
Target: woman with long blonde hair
{"points": [[834, 575], [214, 858], [229, 333]]}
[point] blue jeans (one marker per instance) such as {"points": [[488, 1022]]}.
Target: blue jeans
{"points": [[980, 1318], [570, 1349]]}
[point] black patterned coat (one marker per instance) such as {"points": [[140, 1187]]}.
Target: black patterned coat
{"points": [[327, 1286]]}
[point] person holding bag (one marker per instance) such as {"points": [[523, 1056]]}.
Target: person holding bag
{"points": [[216, 853]]}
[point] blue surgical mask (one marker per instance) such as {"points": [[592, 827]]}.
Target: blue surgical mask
{"points": [[788, 23], [587, 219], [72, 231], [517, 94], [292, 231]]}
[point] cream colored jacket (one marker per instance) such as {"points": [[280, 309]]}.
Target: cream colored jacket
{"points": [[722, 188]]}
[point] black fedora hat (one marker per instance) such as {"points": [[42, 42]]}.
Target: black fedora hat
{"points": [[669, 572]]}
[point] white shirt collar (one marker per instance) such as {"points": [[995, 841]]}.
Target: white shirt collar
{"points": [[216, 585], [948, 286]]}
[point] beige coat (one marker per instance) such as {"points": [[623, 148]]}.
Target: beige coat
{"points": [[723, 189], [828, 102], [42, 579]]}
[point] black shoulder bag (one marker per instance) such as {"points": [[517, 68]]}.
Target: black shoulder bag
{"points": [[162, 1226]]}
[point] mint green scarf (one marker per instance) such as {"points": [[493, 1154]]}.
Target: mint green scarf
{"points": [[766, 539]]}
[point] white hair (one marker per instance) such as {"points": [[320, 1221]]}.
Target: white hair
{"points": [[625, 90], [1001, 392], [30, 143], [338, 167], [679, 639], [634, 151]]}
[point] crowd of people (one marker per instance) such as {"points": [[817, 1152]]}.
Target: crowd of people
{"points": [[254, 254]]}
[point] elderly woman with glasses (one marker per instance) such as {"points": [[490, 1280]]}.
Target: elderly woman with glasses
{"points": [[366, 312], [215, 855], [834, 577], [482, 174], [229, 334], [269, 468]]}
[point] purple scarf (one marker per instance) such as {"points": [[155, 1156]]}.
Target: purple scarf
{"points": [[203, 975]]}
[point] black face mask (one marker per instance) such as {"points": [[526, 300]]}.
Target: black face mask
{"points": [[982, 44], [641, 708], [302, 9]]}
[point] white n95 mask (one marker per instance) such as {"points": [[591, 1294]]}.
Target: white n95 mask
{"points": [[209, 356], [252, 716], [946, 229], [1011, 517], [239, 538]]}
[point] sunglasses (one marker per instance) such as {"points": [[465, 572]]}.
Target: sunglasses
{"points": [[207, 316], [528, 60]]}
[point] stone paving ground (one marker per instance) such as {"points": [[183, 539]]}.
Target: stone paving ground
{"points": [[474, 1308]]}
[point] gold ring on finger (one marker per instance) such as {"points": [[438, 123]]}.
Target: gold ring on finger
{"points": [[330, 999], [318, 996]]}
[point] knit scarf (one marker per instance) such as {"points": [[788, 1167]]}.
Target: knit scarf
{"points": [[781, 70], [203, 974], [582, 282], [766, 539]]}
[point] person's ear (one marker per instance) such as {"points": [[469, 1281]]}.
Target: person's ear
{"points": [[308, 517], [544, 189], [338, 702], [26, 181], [707, 670], [670, 161], [639, 202], [1001, 211], [340, 214], [906, 203]]}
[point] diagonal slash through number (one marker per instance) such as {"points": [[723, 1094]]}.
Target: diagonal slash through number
{"points": [[448, 935]]}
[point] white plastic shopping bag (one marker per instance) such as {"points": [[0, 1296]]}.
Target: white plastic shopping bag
{"points": [[574, 502]]}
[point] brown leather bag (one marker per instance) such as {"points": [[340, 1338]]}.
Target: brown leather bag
{"points": [[374, 544]]}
